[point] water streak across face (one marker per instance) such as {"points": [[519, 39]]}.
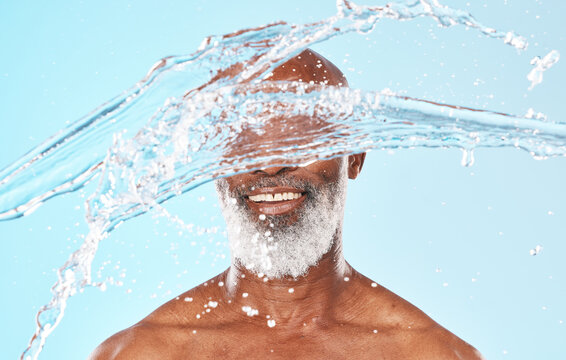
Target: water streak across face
{"points": [[288, 244]]}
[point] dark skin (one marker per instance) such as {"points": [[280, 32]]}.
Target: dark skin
{"points": [[332, 312]]}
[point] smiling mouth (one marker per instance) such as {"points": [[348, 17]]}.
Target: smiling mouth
{"points": [[283, 196], [275, 201]]}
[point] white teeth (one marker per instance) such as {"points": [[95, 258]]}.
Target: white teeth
{"points": [[275, 197], [260, 197]]}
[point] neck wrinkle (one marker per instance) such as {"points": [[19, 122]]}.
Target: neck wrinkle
{"points": [[313, 295]]}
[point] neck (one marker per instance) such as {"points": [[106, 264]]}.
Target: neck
{"points": [[291, 302]]}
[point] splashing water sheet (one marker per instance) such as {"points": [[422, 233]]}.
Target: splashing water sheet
{"points": [[423, 75]]}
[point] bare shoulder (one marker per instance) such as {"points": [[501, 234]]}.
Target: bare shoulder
{"points": [[439, 344], [136, 342], [162, 334], [158, 336], [414, 333]]}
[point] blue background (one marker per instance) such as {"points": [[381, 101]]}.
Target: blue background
{"points": [[454, 241]]}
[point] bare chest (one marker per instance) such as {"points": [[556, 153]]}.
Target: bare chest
{"points": [[348, 343]]}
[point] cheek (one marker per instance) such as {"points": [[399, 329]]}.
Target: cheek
{"points": [[235, 182], [327, 170]]}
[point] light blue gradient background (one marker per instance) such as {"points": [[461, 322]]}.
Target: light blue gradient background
{"points": [[452, 240]]}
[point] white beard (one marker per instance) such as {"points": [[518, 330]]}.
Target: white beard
{"points": [[271, 246]]}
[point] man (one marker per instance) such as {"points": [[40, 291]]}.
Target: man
{"points": [[289, 293]]}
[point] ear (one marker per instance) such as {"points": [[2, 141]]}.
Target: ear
{"points": [[355, 164]]}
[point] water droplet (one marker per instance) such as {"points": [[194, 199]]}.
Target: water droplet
{"points": [[536, 250], [467, 157], [250, 311]]}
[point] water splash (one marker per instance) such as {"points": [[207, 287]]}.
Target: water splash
{"points": [[532, 114], [165, 135], [240, 57], [540, 66]]}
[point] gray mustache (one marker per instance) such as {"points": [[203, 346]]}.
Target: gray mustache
{"points": [[279, 180]]}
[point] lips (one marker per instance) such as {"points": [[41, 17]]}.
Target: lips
{"points": [[275, 200]]}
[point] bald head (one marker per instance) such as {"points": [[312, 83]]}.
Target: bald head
{"points": [[309, 66]]}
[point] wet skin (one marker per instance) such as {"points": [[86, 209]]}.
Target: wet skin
{"points": [[332, 312]]}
